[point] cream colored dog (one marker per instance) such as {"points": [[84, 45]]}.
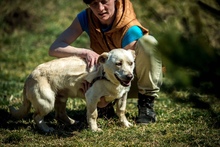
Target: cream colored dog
{"points": [[51, 83]]}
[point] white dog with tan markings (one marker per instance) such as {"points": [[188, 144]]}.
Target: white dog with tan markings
{"points": [[51, 83]]}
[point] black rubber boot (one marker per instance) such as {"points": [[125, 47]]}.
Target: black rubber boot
{"points": [[106, 112], [146, 112]]}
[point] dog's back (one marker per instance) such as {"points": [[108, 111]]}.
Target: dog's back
{"points": [[61, 74], [60, 77]]}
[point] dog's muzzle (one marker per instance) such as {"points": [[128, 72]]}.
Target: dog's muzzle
{"points": [[126, 80]]}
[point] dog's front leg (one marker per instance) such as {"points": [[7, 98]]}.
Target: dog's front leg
{"points": [[120, 110], [92, 113]]}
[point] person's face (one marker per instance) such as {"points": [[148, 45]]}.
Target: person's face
{"points": [[104, 10]]}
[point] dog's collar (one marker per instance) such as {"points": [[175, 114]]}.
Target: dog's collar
{"points": [[102, 77]]}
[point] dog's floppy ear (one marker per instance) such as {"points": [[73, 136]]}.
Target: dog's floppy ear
{"points": [[103, 57], [132, 52]]}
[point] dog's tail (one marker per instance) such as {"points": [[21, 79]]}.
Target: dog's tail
{"points": [[24, 108]]}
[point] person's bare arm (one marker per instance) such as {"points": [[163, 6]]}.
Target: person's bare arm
{"points": [[61, 46]]}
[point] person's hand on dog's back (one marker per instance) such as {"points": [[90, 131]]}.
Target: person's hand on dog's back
{"points": [[91, 58]]}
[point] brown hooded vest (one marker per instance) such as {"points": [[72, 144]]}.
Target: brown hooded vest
{"points": [[106, 41]]}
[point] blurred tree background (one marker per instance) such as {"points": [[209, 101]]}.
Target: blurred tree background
{"points": [[189, 40], [188, 34]]}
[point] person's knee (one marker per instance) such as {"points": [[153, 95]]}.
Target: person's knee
{"points": [[148, 39]]}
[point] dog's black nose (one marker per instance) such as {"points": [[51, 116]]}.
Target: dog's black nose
{"points": [[129, 76]]}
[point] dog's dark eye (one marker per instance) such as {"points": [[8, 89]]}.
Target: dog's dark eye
{"points": [[130, 63], [118, 64]]}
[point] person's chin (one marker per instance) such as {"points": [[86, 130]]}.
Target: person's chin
{"points": [[104, 17]]}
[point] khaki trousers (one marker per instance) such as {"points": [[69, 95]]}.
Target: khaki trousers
{"points": [[148, 68]]}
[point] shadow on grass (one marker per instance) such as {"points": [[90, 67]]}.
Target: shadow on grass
{"points": [[205, 107], [61, 130]]}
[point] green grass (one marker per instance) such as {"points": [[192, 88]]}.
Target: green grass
{"points": [[186, 116], [180, 122]]}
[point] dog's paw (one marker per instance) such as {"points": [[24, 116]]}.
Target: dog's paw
{"points": [[66, 120], [44, 127], [127, 124], [97, 130]]}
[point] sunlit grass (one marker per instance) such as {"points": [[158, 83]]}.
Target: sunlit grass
{"points": [[184, 116]]}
